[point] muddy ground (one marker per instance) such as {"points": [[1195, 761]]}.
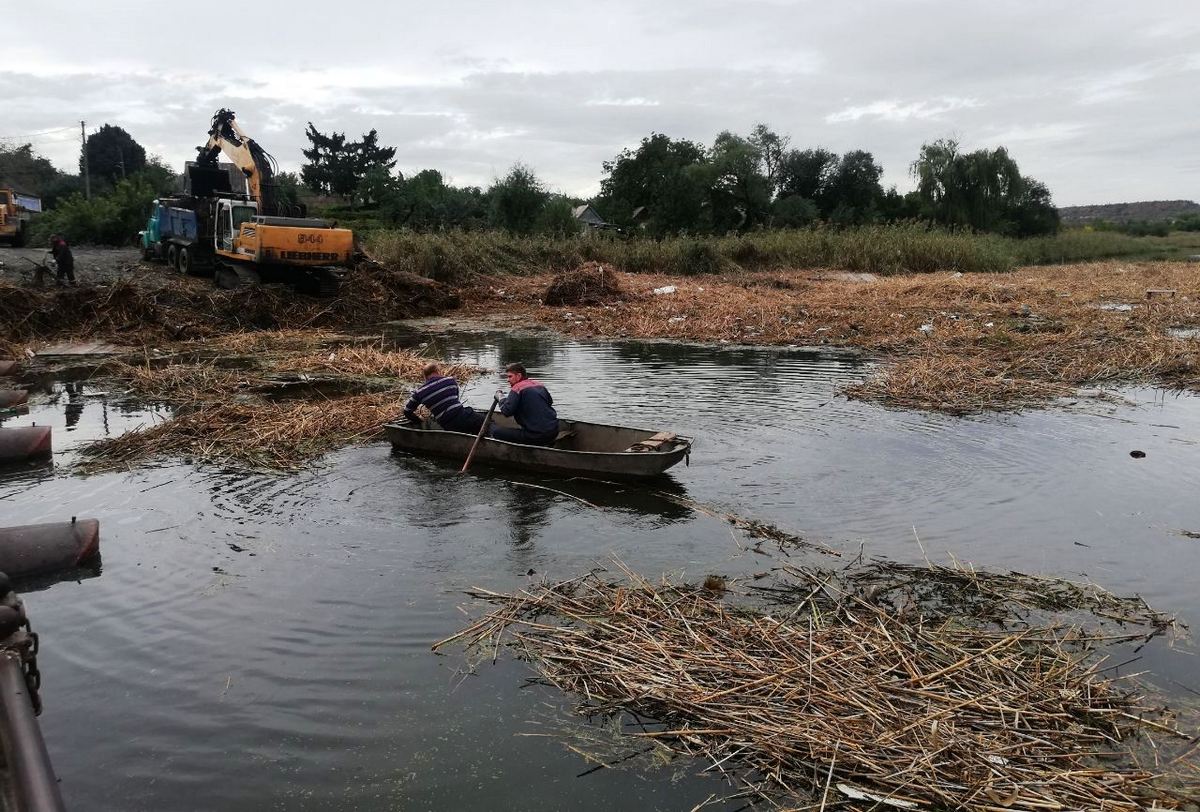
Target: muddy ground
{"points": [[95, 266]]}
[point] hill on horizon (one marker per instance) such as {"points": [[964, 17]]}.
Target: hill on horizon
{"points": [[1149, 211]]}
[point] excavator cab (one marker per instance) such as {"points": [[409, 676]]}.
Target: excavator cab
{"points": [[231, 214]]}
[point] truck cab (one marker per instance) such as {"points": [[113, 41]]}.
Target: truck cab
{"points": [[16, 209]]}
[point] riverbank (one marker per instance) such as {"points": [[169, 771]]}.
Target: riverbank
{"points": [[952, 342]]}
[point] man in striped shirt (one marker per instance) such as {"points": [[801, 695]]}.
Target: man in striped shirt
{"points": [[439, 394]]}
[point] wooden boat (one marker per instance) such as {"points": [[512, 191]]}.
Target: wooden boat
{"points": [[582, 449]]}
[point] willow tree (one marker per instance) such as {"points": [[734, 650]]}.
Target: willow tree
{"points": [[982, 190]]}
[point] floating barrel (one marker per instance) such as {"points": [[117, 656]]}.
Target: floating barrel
{"points": [[36, 549], [7, 366], [25, 443], [13, 397]]}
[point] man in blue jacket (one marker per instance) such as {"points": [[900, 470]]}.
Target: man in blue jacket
{"points": [[530, 404]]}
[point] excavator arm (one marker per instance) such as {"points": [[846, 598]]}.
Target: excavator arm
{"points": [[255, 162]]}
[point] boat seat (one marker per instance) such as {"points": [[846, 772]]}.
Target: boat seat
{"points": [[655, 442]]}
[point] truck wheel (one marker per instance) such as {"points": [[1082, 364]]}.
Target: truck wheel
{"points": [[172, 256], [18, 239], [185, 261]]}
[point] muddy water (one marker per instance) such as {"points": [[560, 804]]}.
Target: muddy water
{"points": [[256, 642]]}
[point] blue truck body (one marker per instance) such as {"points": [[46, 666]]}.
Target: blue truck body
{"points": [[169, 223]]}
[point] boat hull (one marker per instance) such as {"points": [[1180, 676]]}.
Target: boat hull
{"points": [[584, 449]]}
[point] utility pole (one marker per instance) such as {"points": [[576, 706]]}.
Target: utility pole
{"points": [[87, 177]]}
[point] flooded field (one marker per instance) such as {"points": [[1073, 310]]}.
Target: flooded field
{"points": [[262, 642]]}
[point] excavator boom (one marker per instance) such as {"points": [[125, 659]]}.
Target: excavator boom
{"points": [[256, 163]]}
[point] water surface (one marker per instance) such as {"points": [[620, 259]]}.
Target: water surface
{"points": [[262, 642]]}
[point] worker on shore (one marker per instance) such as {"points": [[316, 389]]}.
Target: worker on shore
{"points": [[64, 261], [439, 394], [530, 404]]}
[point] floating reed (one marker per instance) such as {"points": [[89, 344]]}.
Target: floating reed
{"points": [[852, 690], [952, 342]]}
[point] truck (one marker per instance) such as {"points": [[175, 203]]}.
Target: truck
{"points": [[16, 210], [248, 236]]}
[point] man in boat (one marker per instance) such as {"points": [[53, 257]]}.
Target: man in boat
{"points": [[529, 403], [439, 394]]}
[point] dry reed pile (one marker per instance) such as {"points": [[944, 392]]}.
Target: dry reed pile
{"points": [[828, 696], [278, 436], [233, 416], [590, 283], [954, 343]]}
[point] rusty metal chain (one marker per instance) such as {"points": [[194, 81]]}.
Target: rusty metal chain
{"points": [[24, 644]]}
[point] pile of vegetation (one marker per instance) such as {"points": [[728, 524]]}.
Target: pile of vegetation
{"points": [[590, 283], [166, 308], [871, 687]]}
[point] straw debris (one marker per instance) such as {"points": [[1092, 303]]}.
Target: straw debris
{"points": [[245, 413], [857, 689], [956, 343], [591, 283]]}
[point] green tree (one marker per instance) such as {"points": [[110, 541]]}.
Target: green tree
{"points": [[740, 193], [853, 192], [794, 212], [337, 166], [112, 154], [807, 174], [558, 219], [982, 190], [664, 178], [772, 148], [517, 200], [21, 169]]}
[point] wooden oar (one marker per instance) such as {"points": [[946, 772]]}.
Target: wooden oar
{"points": [[479, 436]]}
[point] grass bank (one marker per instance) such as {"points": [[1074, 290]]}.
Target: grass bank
{"points": [[887, 250]]}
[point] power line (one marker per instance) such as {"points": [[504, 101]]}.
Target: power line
{"points": [[35, 135]]}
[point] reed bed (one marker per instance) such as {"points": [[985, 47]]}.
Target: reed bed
{"points": [[902, 248], [841, 691], [952, 342]]}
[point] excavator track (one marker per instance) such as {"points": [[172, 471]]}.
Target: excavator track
{"points": [[321, 282], [230, 276]]}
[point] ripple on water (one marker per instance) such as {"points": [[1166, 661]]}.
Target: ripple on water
{"points": [[259, 640]]}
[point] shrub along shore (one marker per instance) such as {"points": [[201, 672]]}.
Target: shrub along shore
{"points": [[457, 257]]}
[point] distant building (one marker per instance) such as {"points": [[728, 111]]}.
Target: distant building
{"points": [[588, 215]]}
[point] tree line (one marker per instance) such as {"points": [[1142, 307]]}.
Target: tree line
{"points": [[669, 186], [661, 187]]}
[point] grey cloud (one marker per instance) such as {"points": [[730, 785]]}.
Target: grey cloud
{"points": [[1096, 104]]}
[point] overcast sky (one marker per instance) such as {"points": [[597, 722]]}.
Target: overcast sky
{"points": [[1098, 99]]}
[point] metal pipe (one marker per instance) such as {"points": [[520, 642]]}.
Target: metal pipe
{"points": [[30, 771], [24, 443], [34, 549], [13, 397]]}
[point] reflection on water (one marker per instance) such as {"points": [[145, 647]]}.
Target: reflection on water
{"points": [[288, 620]]}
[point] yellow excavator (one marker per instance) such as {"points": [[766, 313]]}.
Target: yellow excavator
{"points": [[246, 236]]}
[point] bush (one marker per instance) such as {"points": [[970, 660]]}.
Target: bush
{"points": [[111, 219]]}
